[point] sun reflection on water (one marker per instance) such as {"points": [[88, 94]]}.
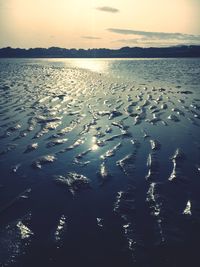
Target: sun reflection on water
{"points": [[94, 144], [95, 65]]}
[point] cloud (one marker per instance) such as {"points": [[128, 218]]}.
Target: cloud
{"points": [[108, 9], [145, 38], [152, 43], [154, 35], [91, 37]]}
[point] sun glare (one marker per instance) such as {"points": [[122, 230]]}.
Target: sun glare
{"points": [[97, 65], [94, 144]]}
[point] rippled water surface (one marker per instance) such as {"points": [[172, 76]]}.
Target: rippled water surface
{"points": [[99, 162]]}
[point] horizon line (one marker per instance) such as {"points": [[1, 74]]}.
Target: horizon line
{"points": [[72, 48]]}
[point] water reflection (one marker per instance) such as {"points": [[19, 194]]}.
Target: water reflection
{"points": [[95, 65], [78, 128], [94, 144]]}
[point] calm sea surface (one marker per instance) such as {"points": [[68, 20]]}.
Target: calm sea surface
{"points": [[99, 162]]}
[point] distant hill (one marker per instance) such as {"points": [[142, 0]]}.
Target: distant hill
{"points": [[124, 52]]}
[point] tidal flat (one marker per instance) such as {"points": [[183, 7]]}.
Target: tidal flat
{"points": [[99, 162]]}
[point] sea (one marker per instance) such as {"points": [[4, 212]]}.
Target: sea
{"points": [[99, 162]]}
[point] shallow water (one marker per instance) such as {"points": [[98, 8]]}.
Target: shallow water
{"points": [[99, 162]]}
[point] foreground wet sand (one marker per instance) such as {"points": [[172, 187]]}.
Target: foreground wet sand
{"points": [[97, 169]]}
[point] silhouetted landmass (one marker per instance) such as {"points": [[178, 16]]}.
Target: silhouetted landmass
{"points": [[124, 52]]}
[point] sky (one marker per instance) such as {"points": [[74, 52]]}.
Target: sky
{"points": [[99, 23]]}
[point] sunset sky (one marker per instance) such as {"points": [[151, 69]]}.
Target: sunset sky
{"points": [[98, 23]]}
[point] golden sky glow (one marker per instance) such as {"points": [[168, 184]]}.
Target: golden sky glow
{"points": [[98, 23]]}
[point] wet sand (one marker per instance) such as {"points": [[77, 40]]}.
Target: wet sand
{"points": [[98, 167]]}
